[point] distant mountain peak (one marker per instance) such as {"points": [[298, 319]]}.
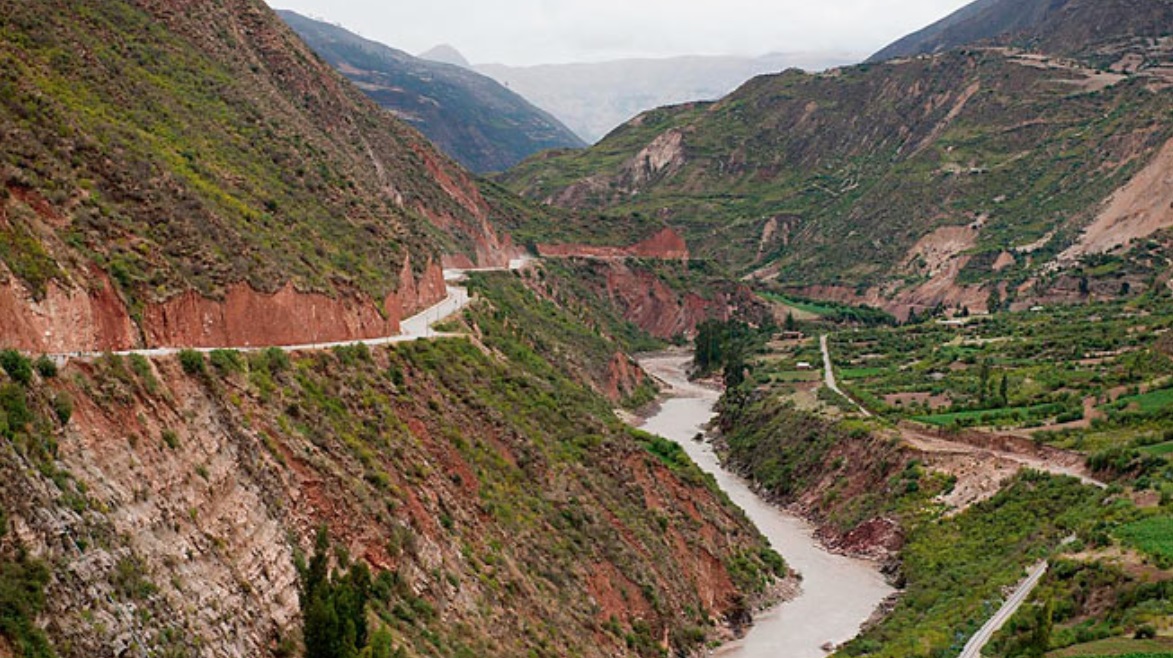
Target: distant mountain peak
{"points": [[446, 54]]}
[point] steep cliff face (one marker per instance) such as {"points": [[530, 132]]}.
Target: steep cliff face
{"points": [[648, 300], [287, 317], [96, 320], [214, 167]]}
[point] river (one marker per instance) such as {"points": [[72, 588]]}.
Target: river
{"points": [[838, 593]]}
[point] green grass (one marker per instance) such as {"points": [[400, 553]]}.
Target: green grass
{"points": [[990, 415], [1159, 449], [860, 373], [1152, 536], [814, 308], [1150, 402]]}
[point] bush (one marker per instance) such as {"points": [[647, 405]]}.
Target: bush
{"points": [[22, 597], [226, 361], [18, 366], [63, 407], [192, 362], [45, 367], [277, 359]]}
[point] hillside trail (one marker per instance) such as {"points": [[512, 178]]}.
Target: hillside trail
{"points": [[417, 327]]}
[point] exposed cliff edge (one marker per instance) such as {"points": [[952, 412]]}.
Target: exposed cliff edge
{"points": [[96, 320]]}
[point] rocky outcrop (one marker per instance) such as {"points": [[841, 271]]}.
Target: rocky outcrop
{"points": [[250, 318], [666, 244], [624, 376], [65, 319], [173, 507], [96, 319], [643, 298]]}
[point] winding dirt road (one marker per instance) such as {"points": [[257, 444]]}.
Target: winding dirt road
{"points": [[829, 377]]}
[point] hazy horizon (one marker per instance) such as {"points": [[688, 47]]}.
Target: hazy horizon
{"points": [[533, 32]]}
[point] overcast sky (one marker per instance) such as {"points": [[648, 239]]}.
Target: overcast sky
{"points": [[521, 32]]}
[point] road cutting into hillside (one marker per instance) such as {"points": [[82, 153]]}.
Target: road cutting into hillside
{"points": [[417, 327]]}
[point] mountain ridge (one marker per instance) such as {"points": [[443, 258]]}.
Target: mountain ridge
{"points": [[475, 120], [595, 98], [907, 184], [1084, 29]]}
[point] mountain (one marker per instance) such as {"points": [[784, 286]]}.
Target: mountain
{"points": [[475, 120], [594, 98], [165, 172], [905, 184], [445, 54], [192, 175], [1059, 27]]}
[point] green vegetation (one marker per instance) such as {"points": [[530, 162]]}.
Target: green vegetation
{"points": [[725, 346], [1089, 608], [193, 362], [334, 605], [1152, 536], [18, 366], [1093, 377], [1019, 369], [226, 171], [22, 597], [501, 459], [543, 319], [955, 569]]}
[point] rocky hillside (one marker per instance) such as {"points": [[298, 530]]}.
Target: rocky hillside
{"points": [[905, 184], [171, 168], [1090, 28], [475, 120], [500, 509]]}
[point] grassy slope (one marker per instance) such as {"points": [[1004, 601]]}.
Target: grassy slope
{"points": [[182, 146]]}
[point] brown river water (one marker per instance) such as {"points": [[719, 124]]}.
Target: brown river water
{"points": [[838, 593]]}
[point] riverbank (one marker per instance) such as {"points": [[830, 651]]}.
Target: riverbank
{"points": [[839, 594]]}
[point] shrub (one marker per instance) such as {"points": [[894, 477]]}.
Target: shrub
{"points": [[18, 366], [277, 359], [14, 411], [45, 367], [192, 362], [226, 361], [63, 407]]}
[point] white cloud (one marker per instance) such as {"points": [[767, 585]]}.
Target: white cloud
{"points": [[541, 31]]}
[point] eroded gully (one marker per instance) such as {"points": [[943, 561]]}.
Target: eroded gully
{"points": [[838, 593]]}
